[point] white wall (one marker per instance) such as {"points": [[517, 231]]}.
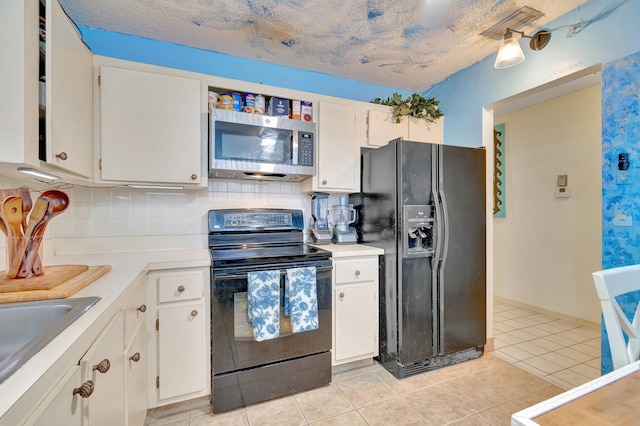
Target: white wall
{"points": [[546, 247]]}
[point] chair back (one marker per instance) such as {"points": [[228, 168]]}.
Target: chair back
{"points": [[611, 283]]}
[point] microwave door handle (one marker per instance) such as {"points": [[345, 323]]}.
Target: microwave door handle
{"points": [[294, 147]]}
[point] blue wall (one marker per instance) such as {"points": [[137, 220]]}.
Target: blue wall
{"points": [[620, 134], [170, 55], [463, 95]]}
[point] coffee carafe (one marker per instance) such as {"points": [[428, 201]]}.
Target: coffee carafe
{"points": [[319, 224], [343, 214]]}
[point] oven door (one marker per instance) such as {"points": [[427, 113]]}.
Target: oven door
{"points": [[233, 347]]}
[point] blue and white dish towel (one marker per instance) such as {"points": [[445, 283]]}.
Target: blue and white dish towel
{"points": [[302, 296], [263, 297]]}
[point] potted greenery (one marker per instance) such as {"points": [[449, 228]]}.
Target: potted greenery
{"points": [[415, 105]]}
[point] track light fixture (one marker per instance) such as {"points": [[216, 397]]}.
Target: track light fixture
{"points": [[511, 53]]}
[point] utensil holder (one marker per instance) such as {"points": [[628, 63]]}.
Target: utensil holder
{"points": [[24, 257]]}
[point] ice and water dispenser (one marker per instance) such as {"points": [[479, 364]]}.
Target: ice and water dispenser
{"points": [[418, 230]]}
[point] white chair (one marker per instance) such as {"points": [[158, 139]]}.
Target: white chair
{"points": [[611, 283]]}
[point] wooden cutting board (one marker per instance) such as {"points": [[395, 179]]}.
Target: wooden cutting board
{"points": [[52, 277], [60, 291]]}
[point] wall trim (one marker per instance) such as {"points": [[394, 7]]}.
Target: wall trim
{"points": [[581, 321]]}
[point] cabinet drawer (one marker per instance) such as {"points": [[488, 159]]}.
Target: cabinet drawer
{"points": [[176, 287], [357, 270]]}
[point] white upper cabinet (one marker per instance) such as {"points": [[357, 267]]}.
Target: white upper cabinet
{"points": [[337, 166], [46, 108], [150, 128], [69, 65]]}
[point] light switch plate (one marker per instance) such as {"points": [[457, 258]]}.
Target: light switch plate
{"points": [[563, 192], [622, 214], [563, 180]]}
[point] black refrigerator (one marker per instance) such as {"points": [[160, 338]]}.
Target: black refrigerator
{"points": [[424, 204]]}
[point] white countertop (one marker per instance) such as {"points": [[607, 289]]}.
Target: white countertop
{"points": [[349, 250], [128, 269]]}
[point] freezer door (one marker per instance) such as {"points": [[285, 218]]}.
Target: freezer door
{"points": [[462, 287], [415, 287]]}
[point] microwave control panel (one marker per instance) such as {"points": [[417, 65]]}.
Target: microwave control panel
{"points": [[305, 149]]}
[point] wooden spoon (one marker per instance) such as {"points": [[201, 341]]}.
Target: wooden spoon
{"points": [[12, 215], [40, 214], [60, 202]]}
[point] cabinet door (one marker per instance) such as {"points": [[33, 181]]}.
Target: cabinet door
{"points": [[382, 127], [61, 407], [136, 378], [337, 154], [180, 349], [150, 127], [356, 319], [423, 131], [106, 405], [69, 102]]}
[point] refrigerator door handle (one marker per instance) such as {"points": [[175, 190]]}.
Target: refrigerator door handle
{"points": [[437, 247], [444, 242]]}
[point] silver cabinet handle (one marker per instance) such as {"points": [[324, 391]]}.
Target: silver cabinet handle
{"points": [[135, 357], [180, 289], [341, 295], [194, 313], [357, 274], [142, 308], [63, 156]]}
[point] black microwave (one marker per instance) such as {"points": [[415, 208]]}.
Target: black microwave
{"points": [[252, 146]]}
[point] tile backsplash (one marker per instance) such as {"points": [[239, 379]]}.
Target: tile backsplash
{"points": [[121, 211]]}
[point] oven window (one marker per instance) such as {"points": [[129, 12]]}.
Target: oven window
{"points": [[232, 335], [245, 142]]}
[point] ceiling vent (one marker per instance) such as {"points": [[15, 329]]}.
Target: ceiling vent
{"points": [[517, 20]]}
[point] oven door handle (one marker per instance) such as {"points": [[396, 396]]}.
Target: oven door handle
{"points": [[234, 274]]}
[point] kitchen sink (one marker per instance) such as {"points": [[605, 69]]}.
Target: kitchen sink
{"points": [[26, 327]]}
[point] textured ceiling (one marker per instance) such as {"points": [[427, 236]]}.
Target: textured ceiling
{"points": [[404, 44]]}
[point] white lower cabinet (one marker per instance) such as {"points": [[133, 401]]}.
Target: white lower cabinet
{"points": [[355, 301], [63, 405], [136, 358], [179, 336], [103, 365], [108, 385]]}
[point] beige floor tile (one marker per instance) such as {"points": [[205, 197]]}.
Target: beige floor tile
{"points": [[559, 382], [593, 342], [281, 412], [523, 312], [507, 315], [510, 381], [544, 365], [396, 411], [589, 350], [474, 420], [516, 353], [530, 369], [551, 327], [541, 319], [166, 415], [231, 418], [572, 353], [587, 370], [485, 362], [572, 377], [503, 327], [323, 402], [537, 396], [587, 332], [595, 363], [557, 341], [525, 322], [406, 385], [503, 356], [352, 418], [537, 331], [565, 325], [532, 348], [499, 415], [364, 389], [475, 395], [521, 334], [507, 339], [438, 407], [548, 342], [571, 336], [557, 358]]}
